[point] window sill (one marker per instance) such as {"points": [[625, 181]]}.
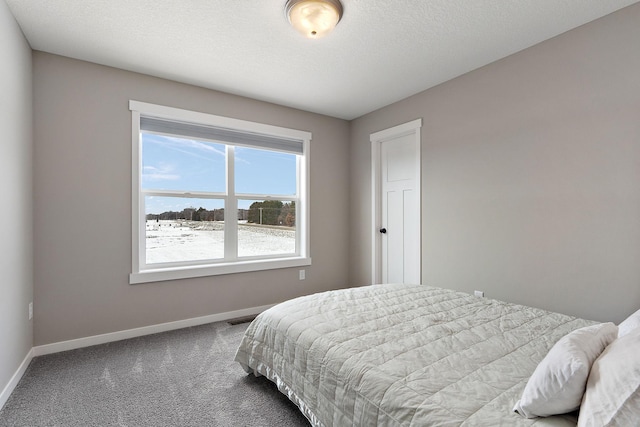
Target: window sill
{"points": [[175, 273]]}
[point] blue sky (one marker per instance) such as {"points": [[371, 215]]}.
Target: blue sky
{"points": [[170, 163]]}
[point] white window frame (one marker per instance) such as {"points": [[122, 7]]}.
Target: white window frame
{"points": [[143, 273]]}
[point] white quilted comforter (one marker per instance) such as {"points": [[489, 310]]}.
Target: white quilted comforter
{"points": [[403, 355]]}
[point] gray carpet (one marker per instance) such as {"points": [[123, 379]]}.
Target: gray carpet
{"points": [[179, 378]]}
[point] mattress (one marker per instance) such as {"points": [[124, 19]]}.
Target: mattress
{"points": [[404, 355]]}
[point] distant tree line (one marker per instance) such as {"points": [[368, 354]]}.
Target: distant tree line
{"points": [[269, 212], [192, 214], [272, 212]]}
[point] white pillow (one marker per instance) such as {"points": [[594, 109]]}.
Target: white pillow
{"points": [[612, 397], [628, 324], [558, 382]]}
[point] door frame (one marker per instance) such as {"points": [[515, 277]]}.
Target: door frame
{"points": [[377, 138]]}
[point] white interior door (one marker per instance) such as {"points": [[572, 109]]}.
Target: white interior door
{"points": [[397, 204]]}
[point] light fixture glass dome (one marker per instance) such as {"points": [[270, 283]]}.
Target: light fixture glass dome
{"points": [[314, 18]]}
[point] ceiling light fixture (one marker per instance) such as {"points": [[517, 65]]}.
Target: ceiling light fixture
{"points": [[313, 18]]}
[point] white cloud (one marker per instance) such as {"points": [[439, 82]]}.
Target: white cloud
{"points": [[188, 146], [164, 172]]}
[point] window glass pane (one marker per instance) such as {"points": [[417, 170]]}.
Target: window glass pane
{"points": [[180, 229], [266, 227], [264, 172], [173, 163]]}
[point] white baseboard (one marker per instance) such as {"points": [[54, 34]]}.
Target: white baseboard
{"points": [[146, 330], [15, 379]]}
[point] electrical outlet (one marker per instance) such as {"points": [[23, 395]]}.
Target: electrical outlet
{"points": [[479, 293], [302, 274], [30, 310]]}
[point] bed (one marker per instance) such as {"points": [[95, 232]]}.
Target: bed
{"points": [[414, 355]]}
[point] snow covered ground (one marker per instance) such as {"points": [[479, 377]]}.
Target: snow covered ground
{"points": [[181, 240]]}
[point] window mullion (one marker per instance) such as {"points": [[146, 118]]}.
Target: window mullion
{"points": [[185, 194], [231, 209]]}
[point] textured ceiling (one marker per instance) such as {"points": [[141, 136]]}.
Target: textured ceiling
{"points": [[381, 51]]}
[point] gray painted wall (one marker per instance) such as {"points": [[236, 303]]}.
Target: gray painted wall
{"points": [[531, 175], [82, 172], [16, 254]]}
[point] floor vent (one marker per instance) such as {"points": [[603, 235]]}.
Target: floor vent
{"points": [[239, 320]]}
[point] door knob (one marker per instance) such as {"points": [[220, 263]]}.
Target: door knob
{"points": [[383, 230]]}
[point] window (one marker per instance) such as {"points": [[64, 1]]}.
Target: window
{"points": [[214, 195]]}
